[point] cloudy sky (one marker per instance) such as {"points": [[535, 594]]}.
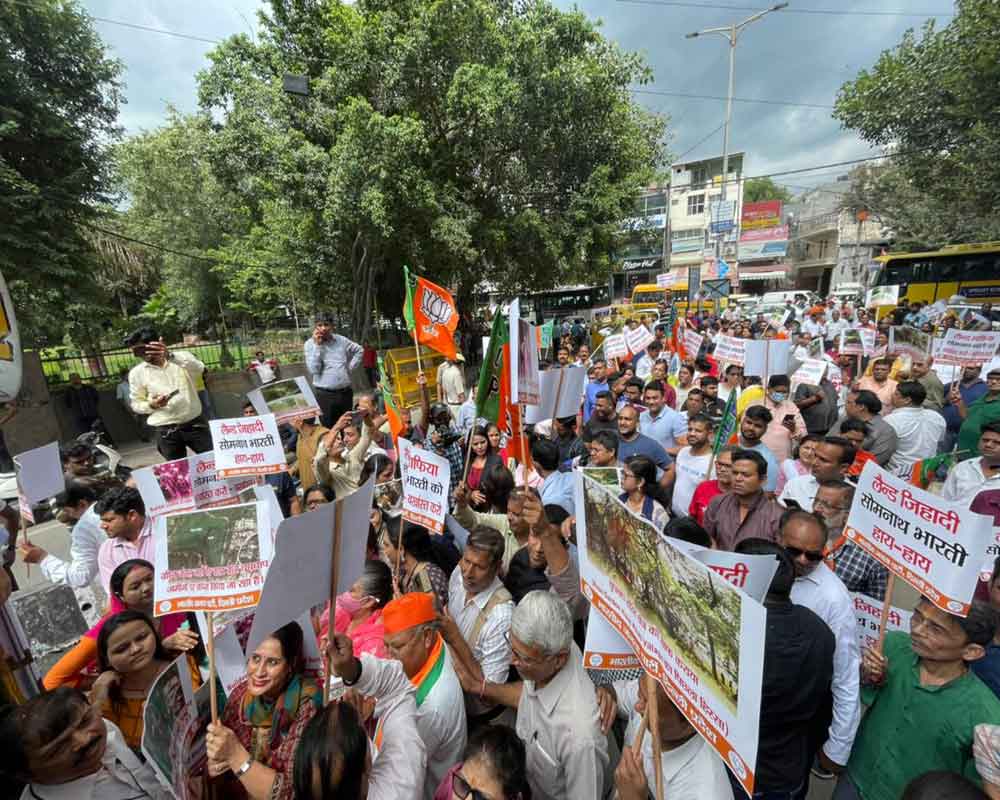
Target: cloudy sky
{"points": [[795, 56]]}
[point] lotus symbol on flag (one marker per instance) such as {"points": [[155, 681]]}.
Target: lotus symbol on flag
{"points": [[435, 308]]}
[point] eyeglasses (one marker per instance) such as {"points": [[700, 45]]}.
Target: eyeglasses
{"points": [[811, 555], [460, 786], [527, 661]]}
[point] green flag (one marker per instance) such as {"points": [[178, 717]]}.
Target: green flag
{"points": [[727, 425], [488, 394], [411, 324]]}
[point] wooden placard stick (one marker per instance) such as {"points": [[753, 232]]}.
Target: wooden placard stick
{"points": [[886, 606], [338, 517], [212, 676], [654, 729]]}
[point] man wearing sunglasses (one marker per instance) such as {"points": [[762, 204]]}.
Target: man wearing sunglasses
{"points": [[818, 588]]}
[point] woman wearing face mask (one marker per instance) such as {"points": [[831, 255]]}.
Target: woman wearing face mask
{"points": [[359, 610], [131, 589], [255, 740], [802, 463], [481, 458], [131, 656], [786, 427]]}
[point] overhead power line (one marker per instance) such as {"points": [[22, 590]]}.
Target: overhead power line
{"points": [[832, 12], [735, 99], [701, 141]]}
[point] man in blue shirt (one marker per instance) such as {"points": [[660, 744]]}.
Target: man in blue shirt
{"points": [[330, 359], [557, 487], [598, 383], [971, 387], [752, 427], [632, 443], [668, 428]]}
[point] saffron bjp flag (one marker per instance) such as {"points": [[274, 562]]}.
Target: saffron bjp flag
{"points": [[677, 340], [430, 314]]}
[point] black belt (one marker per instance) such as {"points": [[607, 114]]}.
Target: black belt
{"points": [[181, 426]]}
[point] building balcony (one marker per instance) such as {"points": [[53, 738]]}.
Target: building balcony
{"points": [[813, 226], [815, 263]]}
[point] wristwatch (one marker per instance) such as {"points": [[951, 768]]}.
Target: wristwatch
{"points": [[243, 768]]}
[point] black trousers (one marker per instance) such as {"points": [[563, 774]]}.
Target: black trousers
{"points": [[173, 440], [333, 404]]}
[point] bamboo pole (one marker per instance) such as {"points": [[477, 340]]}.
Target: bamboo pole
{"points": [[654, 729], [212, 677]]}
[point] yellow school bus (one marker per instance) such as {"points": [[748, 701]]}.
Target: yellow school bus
{"points": [[971, 270]]}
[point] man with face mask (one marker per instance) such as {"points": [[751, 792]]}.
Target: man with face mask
{"points": [[752, 427], [413, 638], [786, 426], [858, 570]]}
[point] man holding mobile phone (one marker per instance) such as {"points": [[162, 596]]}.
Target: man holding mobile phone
{"points": [[330, 359], [163, 388]]}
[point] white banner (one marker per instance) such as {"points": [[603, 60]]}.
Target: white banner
{"points": [[615, 347], [186, 484], [904, 339], [247, 446], [857, 342], [697, 634], [692, 342], [868, 612], [810, 373], [567, 384], [935, 546], [211, 560], [766, 357], [300, 577], [730, 350], [426, 477], [524, 357], [39, 472], [606, 649], [882, 296], [637, 340], [288, 400], [665, 280], [967, 347]]}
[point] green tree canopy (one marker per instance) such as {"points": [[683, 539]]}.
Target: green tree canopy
{"points": [[477, 142], [934, 101], [59, 96], [756, 190]]}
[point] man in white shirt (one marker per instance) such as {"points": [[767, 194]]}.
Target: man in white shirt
{"points": [[970, 477], [918, 430], [832, 458], [644, 363], [61, 747], [692, 769], [690, 467], [86, 539], [163, 388], [557, 715], [815, 325], [451, 384], [477, 624], [836, 326], [412, 637], [817, 588]]}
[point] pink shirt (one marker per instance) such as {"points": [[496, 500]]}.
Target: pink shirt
{"points": [[777, 437], [117, 551], [368, 637]]}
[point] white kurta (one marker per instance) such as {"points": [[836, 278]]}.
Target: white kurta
{"points": [[442, 725]]}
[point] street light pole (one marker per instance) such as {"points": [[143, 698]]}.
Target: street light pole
{"points": [[731, 34]]}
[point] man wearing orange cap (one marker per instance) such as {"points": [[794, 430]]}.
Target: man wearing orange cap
{"points": [[412, 637]]}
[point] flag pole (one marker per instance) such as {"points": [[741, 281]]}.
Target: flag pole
{"points": [[338, 518]]}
